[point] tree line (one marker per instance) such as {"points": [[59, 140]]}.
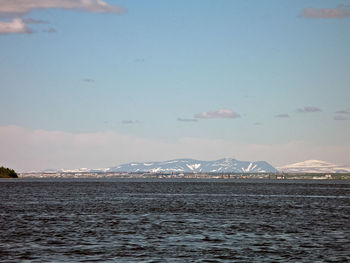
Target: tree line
{"points": [[7, 173]]}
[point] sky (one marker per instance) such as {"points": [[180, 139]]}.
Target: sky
{"points": [[97, 83]]}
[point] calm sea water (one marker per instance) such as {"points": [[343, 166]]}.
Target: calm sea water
{"points": [[174, 221]]}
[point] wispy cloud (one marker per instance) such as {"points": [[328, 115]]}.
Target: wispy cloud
{"points": [[341, 118], [325, 13], [139, 60], [129, 122], [283, 115], [342, 112], [219, 114], [16, 26], [309, 109], [35, 21], [88, 80], [21, 7], [187, 120], [52, 30], [257, 123]]}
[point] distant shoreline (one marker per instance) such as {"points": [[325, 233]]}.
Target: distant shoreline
{"points": [[229, 176]]}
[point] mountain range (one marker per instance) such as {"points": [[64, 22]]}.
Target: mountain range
{"points": [[226, 165]]}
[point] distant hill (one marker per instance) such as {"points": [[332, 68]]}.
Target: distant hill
{"points": [[313, 166], [7, 173], [227, 165]]}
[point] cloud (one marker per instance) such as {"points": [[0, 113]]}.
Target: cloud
{"points": [[21, 7], [51, 30], [219, 114], [282, 116], [341, 118], [187, 120], [34, 149], [325, 13], [257, 123], [34, 21], [16, 26], [129, 122], [309, 109], [139, 60], [18, 8], [342, 112], [88, 80]]}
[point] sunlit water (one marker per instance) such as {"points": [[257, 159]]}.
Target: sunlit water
{"points": [[174, 221]]}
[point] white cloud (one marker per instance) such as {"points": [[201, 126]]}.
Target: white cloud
{"points": [[18, 8], [25, 6], [25, 149], [16, 26], [219, 114]]}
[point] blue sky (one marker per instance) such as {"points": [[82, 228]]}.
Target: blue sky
{"points": [[228, 75]]}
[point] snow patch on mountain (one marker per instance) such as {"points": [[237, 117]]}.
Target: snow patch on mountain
{"points": [[193, 166]]}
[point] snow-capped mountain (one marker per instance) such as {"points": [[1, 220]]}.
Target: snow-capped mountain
{"points": [[196, 166], [313, 166]]}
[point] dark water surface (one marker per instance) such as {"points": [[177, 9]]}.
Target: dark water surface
{"points": [[174, 221]]}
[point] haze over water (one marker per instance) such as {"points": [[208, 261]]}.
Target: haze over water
{"points": [[174, 221]]}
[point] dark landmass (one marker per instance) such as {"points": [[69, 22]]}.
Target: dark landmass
{"points": [[7, 173]]}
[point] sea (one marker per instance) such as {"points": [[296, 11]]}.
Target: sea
{"points": [[178, 220]]}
